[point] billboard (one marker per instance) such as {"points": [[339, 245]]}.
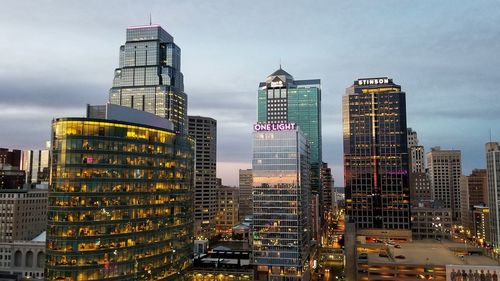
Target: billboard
{"points": [[472, 272]]}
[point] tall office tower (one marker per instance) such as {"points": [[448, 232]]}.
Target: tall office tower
{"points": [[245, 194], [281, 187], [10, 157], [376, 155], [149, 76], [416, 153], [204, 131], [120, 198], [227, 209], [283, 99], [493, 180], [327, 189], [445, 169], [36, 165], [473, 192], [420, 185]]}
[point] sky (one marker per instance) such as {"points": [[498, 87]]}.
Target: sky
{"points": [[58, 56]]}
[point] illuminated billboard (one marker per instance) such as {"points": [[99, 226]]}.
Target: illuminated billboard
{"points": [[472, 272]]}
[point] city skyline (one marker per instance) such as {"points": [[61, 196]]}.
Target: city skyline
{"points": [[54, 65]]}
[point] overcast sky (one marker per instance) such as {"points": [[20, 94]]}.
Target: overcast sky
{"points": [[57, 56]]}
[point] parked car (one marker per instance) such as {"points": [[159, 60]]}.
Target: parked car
{"points": [[401, 257], [383, 255]]}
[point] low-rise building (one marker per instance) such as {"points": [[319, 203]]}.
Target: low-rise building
{"points": [[26, 259], [431, 221], [227, 209]]}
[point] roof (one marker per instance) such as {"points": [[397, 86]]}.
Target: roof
{"points": [[280, 71], [42, 237]]}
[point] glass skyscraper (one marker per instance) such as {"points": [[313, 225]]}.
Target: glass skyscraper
{"points": [[376, 166], [120, 201], [149, 76], [281, 188]]}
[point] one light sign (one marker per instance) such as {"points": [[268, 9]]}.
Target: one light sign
{"points": [[273, 127], [277, 84]]}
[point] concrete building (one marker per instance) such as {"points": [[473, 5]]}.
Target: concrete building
{"points": [[204, 131], [420, 185], [36, 165], [431, 221], [227, 209], [493, 180], [473, 192], [245, 199], [26, 259], [23, 214], [480, 223], [445, 169]]}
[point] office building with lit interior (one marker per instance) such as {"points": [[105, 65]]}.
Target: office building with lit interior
{"points": [[120, 198], [149, 76], [281, 188], [376, 165]]}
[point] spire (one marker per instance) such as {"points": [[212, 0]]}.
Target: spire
{"points": [[150, 21]]}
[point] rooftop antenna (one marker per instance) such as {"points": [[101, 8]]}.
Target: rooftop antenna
{"points": [[280, 63], [150, 21], [490, 134]]}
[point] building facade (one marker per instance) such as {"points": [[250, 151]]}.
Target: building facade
{"points": [[431, 221], [281, 231], [227, 209], [26, 259], [376, 155], [473, 192], [493, 175], [327, 189], [204, 131], [245, 193], [23, 214], [10, 157], [36, 165], [445, 169], [149, 76], [120, 201]]}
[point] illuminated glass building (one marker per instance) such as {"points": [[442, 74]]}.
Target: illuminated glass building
{"points": [[281, 187], [149, 76], [120, 199], [376, 155]]}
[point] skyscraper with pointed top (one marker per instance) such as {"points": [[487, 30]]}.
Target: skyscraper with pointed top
{"points": [[149, 76]]}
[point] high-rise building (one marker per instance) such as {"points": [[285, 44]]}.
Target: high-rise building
{"points": [[120, 198], [473, 192], [149, 76], [204, 131], [445, 169], [245, 194], [420, 184], [327, 189], [493, 180], [376, 155], [227, 209], [283, 99], [281, 231], [36, 165]]}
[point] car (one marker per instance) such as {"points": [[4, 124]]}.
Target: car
{"points": [[363, 256], [397, 246], [401, 257], [383, 255]]}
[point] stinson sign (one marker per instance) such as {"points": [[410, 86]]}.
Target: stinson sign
{"points": [[373, 81], [273, 127]]}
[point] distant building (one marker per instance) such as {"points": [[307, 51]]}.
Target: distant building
{"points": [[36, 165], [245, 199], [493, 174], [420, 184], [23, 214], [11, 178], [327, 189], [149, 76], [10, 157], [473, 192], [445, 169], [227, 209], [430, 221], [204, 131], [480, 222], [26, 259], [281, 210]]}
